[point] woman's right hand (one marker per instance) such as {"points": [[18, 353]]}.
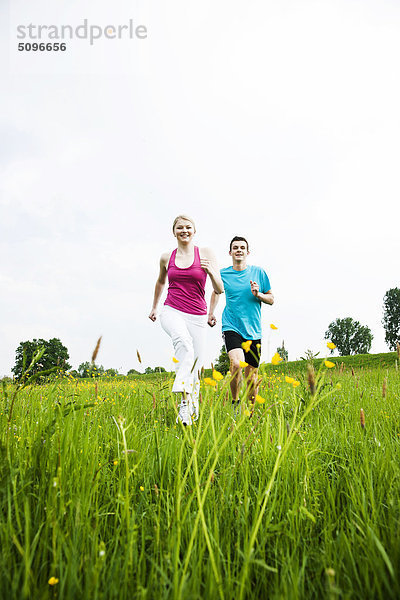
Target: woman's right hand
{"points": [[153, 314], [211, 320]]}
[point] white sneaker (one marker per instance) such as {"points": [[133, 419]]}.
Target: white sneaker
{"points": [[184, 413]]}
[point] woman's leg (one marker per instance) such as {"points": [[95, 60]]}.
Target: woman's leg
{"points": [[197, 328], [174, 324]]}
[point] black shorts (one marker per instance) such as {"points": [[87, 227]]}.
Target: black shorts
{"points": [[234, 340]]}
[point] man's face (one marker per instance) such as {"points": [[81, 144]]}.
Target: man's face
{"points": [[239, 251]]}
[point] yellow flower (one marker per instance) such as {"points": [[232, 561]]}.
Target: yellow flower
{"points": [[247, 413], [329, 364], [295, 383], [289, 379], [209, 381], [243, 364], [260, 399], [115, 463], [273, 326], [141, 488], [217, 375], [331, 345], [276, 359], [53, 581], [246, 345], [175, 360]]}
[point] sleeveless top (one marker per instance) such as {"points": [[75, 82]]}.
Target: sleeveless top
{"points": [[186, 286]]}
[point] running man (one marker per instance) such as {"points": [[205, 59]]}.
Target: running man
{"points": [[246, 288]]}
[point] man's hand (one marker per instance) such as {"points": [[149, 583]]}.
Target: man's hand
{"points": [[254, 288], [211, 320]]}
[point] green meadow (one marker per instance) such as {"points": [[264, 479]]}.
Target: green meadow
{"points": [[103, 496]]}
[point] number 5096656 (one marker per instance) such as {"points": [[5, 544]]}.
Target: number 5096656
{"points": [[42, 47]]}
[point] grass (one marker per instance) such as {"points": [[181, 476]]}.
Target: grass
{"points": [[103, 492]]}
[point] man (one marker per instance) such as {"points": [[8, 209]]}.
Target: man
{"points": [[246, 288]]}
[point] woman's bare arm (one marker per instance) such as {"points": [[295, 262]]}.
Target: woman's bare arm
{"points": [[160, 283]]}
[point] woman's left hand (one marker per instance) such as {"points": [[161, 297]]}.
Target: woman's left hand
{"points": [[205, 264]]}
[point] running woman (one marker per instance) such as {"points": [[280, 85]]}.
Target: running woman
{"points": [[246, 288], [184, 315]]}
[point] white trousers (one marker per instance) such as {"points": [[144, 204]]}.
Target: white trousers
{"points": [[188, 334]]}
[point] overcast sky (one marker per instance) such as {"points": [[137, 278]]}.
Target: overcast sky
{"points": [[278, 121]]}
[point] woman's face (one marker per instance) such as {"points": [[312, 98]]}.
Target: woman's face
{"points": [[183, 230]]}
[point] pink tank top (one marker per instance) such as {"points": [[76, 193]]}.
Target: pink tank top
{"points": [[186, 286]]}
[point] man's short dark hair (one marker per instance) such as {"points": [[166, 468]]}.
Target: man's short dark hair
{"points": [[238, 238]]}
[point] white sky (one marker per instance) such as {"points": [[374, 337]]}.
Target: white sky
{"points": [[278, 121]]}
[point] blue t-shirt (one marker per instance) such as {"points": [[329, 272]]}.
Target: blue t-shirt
{"points": [[242, 312]]}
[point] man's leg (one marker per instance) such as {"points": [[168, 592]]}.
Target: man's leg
{"points": [[235, 356], [251, 375]]}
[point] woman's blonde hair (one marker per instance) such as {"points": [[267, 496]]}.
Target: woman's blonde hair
{"points": [[186, 218]]}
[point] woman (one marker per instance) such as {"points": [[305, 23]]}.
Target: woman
{"points": [[184, 315]]}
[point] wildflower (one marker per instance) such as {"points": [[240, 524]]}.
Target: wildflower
{"points": [[273, 326], [141, 488], [295, 383], [279, 448], [217, 375], [329, 364], [260, 399], [209, 381], [276, 359], [289, 379], [53, 581], [243, 364], [331, 345], [115, 463], [362, 418], [102, 552], [246, 345], [175, 360], [247, 413]]}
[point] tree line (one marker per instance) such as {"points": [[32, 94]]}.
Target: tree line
{"points": [[348, 335]]}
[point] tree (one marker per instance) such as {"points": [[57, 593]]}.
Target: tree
{"points": [[55, 356], [111, 372], [391, 317], [222, 364], [149, 370], [133, 372], [349, 336], [87, 369], [283, 353]]}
